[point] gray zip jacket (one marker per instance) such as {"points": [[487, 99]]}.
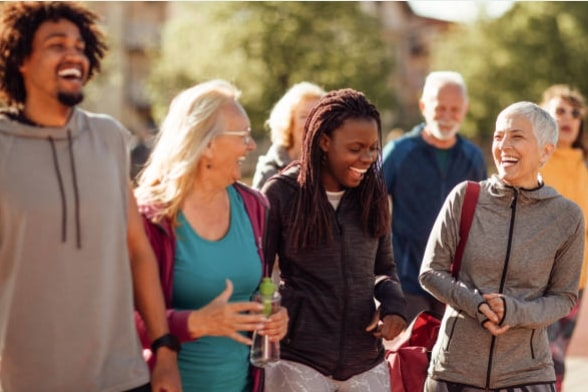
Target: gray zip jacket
{"points": [[525, 244]]}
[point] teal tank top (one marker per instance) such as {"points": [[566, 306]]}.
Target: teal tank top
{"points": [[211, 363]]}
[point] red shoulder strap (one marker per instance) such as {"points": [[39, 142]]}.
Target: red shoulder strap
{"points": [[467, 215]]}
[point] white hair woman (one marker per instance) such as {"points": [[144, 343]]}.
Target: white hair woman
{"points": [[206, 230], [520, 268]]}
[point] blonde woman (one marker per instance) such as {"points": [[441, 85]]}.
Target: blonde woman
{"points": [[206, 230], [286, 123]]}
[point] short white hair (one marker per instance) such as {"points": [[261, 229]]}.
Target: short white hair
{"points": [[543, 124], [437, 79]]}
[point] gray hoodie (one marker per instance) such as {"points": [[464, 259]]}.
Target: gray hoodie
{"points": [[63, 220], [525, 244]]}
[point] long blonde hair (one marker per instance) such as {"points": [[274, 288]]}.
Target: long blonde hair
{"points": [[190, 125]]}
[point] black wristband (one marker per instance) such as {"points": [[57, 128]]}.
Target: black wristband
{"points": [[168, 340]]}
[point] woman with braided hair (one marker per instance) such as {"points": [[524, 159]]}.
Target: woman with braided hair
{"points": [[330, 229]]}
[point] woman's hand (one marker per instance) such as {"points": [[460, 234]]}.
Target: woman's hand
{"points": [[277, 325], [221, 318], [389, 328], [493, 309], [496, 304]]}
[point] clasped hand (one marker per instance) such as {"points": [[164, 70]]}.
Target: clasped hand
{"points": [[223, 318], [493, 309]]}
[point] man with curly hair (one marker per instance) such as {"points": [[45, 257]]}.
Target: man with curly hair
{"points": [[70, 232]]}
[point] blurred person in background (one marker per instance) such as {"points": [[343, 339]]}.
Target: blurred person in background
{"points": [[420, 169], [286, 124], [566, 171]]}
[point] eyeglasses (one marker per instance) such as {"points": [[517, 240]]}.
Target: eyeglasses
{"points": [[246, 135], [575, 112]]}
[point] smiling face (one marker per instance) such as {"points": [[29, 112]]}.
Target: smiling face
{"points": [[349, 152], [568, 117], [227, 152], [57, 67], [516, 151], [444, 112]]}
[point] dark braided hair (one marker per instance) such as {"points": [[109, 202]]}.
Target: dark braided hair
{"points": [[18, 25], [310, 216]]}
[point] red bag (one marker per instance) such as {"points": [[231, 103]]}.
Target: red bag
{"points": [[408, 354]]}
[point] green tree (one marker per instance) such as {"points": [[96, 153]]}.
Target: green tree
{"points": [[265, 47], [514, 58]]}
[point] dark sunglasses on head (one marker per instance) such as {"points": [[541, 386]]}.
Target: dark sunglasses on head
{"points": [[575, 112]]}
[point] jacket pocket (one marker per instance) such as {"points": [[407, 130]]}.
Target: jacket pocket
{"points": [[452, 329], [531, 344]]}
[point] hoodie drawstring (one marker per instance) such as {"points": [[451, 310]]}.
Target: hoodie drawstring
{"points": [[62, 191], [76, 192]]}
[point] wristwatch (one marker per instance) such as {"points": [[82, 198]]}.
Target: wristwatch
{"points": [[168, 340]]}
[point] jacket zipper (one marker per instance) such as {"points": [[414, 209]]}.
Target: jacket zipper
{"points": [[262, 240], [513, 207], [341, 360]]}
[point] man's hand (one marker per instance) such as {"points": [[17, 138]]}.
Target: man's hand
{"points": [[166, 376]]}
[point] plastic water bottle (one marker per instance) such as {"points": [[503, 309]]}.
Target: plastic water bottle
{"points": [[263, 351]]}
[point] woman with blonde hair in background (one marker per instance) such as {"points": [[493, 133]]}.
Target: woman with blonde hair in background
{"points": [[286, 123], [566, 171], [206, 230]]}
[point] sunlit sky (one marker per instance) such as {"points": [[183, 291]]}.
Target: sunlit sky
{"points": [[460, 11]]}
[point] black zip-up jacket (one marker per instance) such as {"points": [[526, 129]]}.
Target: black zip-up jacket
{"points": [[329, 291]]}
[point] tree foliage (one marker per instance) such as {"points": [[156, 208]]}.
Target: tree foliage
{"points": [[265, 47], [514, 58]]}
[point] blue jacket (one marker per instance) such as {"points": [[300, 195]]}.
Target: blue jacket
{"points": [[418, 188]]}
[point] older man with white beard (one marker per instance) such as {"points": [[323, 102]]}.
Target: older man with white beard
{"points": [[420, 169]]}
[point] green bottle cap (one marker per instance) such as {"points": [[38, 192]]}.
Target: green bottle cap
{"points": [[267, 288]]}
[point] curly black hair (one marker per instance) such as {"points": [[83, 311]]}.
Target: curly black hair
{"points": [[311, 222], [18, 25]]}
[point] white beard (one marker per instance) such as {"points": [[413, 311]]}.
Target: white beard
{"points": [[440, 134]]}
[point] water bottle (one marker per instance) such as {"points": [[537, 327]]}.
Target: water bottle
{"points": [[263, 351]]}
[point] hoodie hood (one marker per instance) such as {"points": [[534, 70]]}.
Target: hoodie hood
{"points": [[11, 126]]}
